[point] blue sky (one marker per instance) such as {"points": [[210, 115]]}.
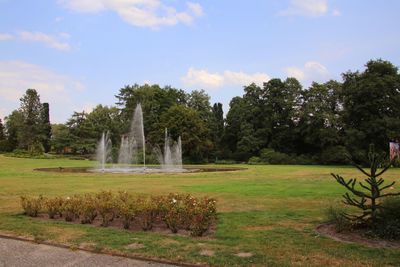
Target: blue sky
{"points": [[79, 53]]}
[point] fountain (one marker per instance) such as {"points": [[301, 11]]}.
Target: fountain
{"points": [[103, 151], [134, 143], [171, 159]]}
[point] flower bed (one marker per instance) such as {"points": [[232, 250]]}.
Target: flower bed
{"points": [[176, 212]]}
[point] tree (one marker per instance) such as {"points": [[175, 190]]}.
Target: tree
{"points": [[234, 119], [31, 134], [4, 144], [61, 138], [367, 198], [282, 104], [319, 130], [371, 102], [14, 127], [2, 134], [82, 140], [200, 101], [217, 128], [187, 123], [45, 119], [154, 100]]}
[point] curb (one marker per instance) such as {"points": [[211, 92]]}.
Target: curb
{"points": [[141, 258]]}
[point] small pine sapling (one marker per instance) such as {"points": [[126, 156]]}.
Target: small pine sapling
{"points": [[368, 196]]}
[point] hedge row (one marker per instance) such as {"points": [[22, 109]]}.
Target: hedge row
{"points": [[177, 211]]}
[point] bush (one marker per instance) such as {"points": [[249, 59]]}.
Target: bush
{"points": [[146, 212], [105, 206], [270, 156], [335, 155], [87, 210], [32, 206], [127, 208], [5, 146], [177, 211], [254, 161], [337, 217], [226, 162], [54, 206], [36, 149], [388, 219], [204, 213], [71, 208], [174, 211]]}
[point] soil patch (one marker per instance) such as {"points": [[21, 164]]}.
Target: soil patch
{"points": [[357, 237], [207, 252], [135, 246], [158, 227], [244, 254]]}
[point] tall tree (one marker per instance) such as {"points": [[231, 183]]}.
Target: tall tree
{"points": [[14, 127], [31, 109], [187, 123], [319, 127], [371, 101], [200, 101], [46, 127], [60, 138], [2, 134], [82, 139], [282, 104], [217, 128], [154, 100]]}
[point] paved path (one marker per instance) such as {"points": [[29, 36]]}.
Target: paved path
{"points": [[21, 254]]}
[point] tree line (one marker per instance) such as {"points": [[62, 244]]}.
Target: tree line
{"points": [[279, 122]]}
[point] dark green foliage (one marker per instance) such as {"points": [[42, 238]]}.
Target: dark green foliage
{"points": [[5, 145], [318, 129], [337, 216], [367, 198], [14, 127], [187, 123], [31, 131], [321, 124], [335, 155], [387, 224], [2, 133], [217, 129], [272, 157], [371, 102], [61, 138], [45, 119]]}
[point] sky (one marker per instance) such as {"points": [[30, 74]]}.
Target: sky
{"points": [[79, 53]]}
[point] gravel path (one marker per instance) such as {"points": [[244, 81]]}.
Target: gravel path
{"points": [[21, 253]]}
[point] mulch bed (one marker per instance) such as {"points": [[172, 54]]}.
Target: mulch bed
{"points": [[158, 226], [356, 236]]}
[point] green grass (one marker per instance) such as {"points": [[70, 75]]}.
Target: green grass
{"points": [[269, 211]]}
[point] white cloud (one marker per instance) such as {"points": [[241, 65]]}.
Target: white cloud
{"points": [[6, 36], [308, 8], [311, 71], [48, 40], [56, 89], [53, 41], [58, 19], [205, 79], [336, 13], [195, 8], [140, 13]]}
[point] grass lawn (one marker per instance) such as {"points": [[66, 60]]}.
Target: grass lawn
{"points": [[268, 211]]}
